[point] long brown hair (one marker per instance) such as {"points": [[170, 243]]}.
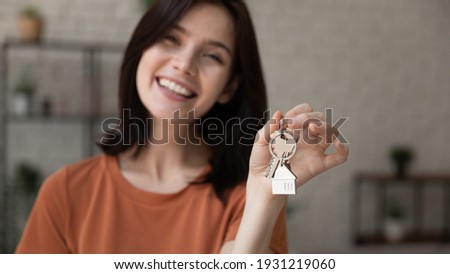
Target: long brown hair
{"points": [[229, 162]]}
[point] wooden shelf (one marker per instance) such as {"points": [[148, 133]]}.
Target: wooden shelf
{"points": [[416, 182], [61, 45], [379, 238], [91, 56], [58, 118], [384, 178]]}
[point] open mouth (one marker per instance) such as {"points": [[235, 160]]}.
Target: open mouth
{"points": [[175, 88]]}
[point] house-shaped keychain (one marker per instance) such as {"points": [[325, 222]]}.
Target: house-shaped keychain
{"points": [[283, 181]]}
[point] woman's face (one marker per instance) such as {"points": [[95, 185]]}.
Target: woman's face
{"points": [[189, 67]]}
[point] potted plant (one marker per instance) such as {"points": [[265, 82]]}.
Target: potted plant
{"points": [[23, 94], [24, 188], [30, 24], [26, 179], [402, 157], [394, 225]]}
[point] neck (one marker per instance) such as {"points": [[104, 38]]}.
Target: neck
{"points": [[175, 155]]}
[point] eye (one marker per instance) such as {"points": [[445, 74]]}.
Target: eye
{"points": [[214, 57], [171, 38]]}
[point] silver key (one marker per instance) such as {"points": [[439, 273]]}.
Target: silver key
{"points": [[282, 146], [276, 158], [273, 165]]}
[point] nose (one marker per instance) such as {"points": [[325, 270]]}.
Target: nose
{"points": [[184, 62]]}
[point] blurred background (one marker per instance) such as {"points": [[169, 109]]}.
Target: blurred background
{"points": [[383, 65]]}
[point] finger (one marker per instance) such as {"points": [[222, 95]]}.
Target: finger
{"points": [[324, 132], [315, 135], [302, 108], [302, 120], [263, 136], [339, 157], [316, 129]]}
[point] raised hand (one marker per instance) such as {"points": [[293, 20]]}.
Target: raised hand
{"points": [[310, 158]]}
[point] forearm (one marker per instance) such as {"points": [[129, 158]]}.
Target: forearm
{"points": [[257, 224]]}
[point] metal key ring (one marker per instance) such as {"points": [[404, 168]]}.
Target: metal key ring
{"points": [[288, 136]]}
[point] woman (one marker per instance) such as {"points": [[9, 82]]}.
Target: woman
{"points": [[168, 181]]}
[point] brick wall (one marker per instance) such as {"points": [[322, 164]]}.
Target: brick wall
{"points": [[384, 64]]}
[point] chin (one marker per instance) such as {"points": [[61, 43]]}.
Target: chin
{"points": [[162, 111]]}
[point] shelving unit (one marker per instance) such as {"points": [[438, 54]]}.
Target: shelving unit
{"points": [[416, 183], [91, 71]]}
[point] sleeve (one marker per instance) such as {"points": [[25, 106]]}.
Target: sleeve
{"points": [[46, 226], [279, 236]]}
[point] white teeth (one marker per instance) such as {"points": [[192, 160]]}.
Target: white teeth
{"points": [[174, 87]]}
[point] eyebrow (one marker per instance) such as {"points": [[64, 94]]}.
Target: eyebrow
{"points": [[209, 42]]}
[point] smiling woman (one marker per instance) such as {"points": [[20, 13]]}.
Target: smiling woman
{"points": [[197, 60], [189, 68]]}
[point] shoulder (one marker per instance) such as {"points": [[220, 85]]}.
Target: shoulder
{"points": [[87, 166], [74, 176]]}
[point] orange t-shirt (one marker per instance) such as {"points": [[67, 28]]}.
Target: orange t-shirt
{"points": [[89, 207]]}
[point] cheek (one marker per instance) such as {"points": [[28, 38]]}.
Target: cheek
{"points": [[141, 80], [215, 80], [140, 73], [144, 65], [144, 71]]}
